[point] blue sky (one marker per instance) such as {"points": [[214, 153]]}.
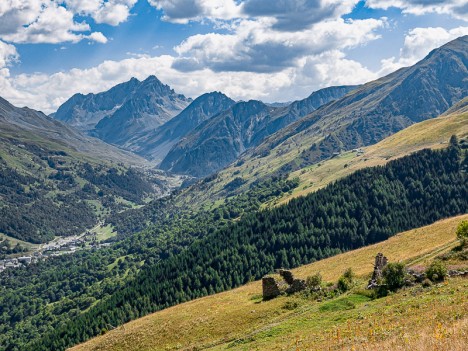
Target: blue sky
{"points": [[270, 50]]}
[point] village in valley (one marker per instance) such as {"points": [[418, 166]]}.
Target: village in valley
{"points": [[57, 247]]}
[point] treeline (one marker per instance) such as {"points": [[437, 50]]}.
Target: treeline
{"points": [[365, 207]]}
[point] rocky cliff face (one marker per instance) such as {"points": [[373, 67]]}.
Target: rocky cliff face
{"points": [[155, 144], [130, 108], [220, 140]]}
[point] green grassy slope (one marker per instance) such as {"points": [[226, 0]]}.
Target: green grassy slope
{"points": [[369, 206]]}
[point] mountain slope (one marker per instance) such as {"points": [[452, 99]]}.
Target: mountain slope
{"points": [[155, 144], [85, 111], [433, 133], [216, 322], [57, 182], [220, 140], [128, 108], [37, 127], [374, 110]]}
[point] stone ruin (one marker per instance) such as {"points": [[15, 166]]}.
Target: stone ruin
{"points": [[270, 288], [380, 263], [273, 287]]}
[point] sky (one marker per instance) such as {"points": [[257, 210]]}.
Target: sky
{"points": [[271, 50]]}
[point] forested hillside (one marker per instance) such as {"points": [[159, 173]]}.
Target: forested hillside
{"points": [[239, 320], [64, 287], [64, 199], [365, 207]]}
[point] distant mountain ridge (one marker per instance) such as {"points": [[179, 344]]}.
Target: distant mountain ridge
{"points": [[155, 144], [377, 109], [220, 140], [129, 108], [25, 122]]}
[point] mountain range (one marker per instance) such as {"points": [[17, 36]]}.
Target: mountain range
{"points": [[155, 144], [220, 140], [204, 136], [128, 109], [22, 124], [367, 114]]}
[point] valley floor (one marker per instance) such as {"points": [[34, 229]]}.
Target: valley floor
{"points": [[417, 318]]}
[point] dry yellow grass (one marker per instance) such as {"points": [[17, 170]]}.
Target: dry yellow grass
{"points": [[433, 133], [216, 321]]}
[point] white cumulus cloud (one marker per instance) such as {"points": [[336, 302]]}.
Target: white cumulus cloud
{"points": [[48, 92], [254, 46], [293, 15], [111, 12], [183, 11], [418, 43], [8, 54], [55, 21]]}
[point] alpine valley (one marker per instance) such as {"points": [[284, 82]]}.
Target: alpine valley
{"points": [[138, 218]]}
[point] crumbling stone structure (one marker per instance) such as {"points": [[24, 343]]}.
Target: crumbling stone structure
{"points": [[296, 286], [287, 276], [273, 287], [380, 263], [270, 288]]}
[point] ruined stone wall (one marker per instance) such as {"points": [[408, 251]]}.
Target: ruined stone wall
{"points": [[272, 287], [379, 264]]}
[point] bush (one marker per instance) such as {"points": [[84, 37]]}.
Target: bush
{"points": [[437, 271], [314, 282], [349, 274], [290, 305], [426, 283], [462, 233], [394, 276], [345, 282]]}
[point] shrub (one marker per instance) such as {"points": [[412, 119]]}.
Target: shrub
{"points": [[437, 271], [290, 305], [345, 282], [394, 276], [349, 274], [314, 282], [426, 283], [462, 233]]}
